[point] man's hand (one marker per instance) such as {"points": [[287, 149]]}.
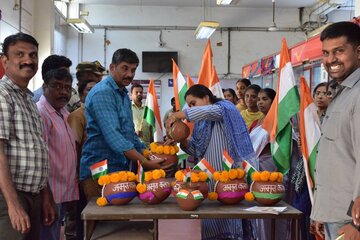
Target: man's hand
{"points": [[49, 210], [355, 212], [20, 220], [319, 229], [350, 233]]}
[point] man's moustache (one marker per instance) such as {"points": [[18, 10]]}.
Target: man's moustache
{"points": [[32, 66]]}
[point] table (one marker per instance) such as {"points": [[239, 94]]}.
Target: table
{"points": [[170, 210]]}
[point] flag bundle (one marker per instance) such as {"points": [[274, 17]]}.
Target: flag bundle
{"points": [[152, 113], [140, 173], [284, 106], [205, 166], [227, 161], [309, 133]]}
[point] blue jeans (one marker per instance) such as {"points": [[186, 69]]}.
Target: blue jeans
{"points": [[331, 229]]}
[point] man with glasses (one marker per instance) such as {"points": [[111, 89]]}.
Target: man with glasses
{"points": [[62, 151]]}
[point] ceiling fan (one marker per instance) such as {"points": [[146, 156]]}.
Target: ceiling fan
{"points": [[273, 26]]}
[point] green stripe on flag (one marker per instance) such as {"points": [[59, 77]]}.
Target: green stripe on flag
{"points": [[99, 174], [182, 96], [281, 149], [288, 107], [312, 162]]}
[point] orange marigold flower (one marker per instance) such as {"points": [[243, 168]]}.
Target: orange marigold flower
{"points": [[203, 176], [153, 144], [123, 176], [172, 183], [101, 201], [176, 148], [179, 176], [114, 178], [172, 151], [166, 150], [216, 176], [148, 176], [104, 180], [274, 176], [153, 149], [280, 177], [162, 173], [141, 188], [264, 176], [194, 177], [131, 176], [212, 196], [224, 176], [233, 173], [160, 150], [156, 174], [146, 153], [241, 173], [249, 196], [255, 176]]}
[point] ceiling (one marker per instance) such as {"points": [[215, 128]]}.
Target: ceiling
{"points": [[206, 3]]}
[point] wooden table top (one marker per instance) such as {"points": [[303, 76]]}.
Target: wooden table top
{"points": [[169, 209]]}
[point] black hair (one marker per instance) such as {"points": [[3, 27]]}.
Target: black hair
{"points": [[232, 91], [136, 85], [271, 93], [322, 84], [58, 74], [124, 55], [53, 62], [347, 29], [254, 87], [245, 81], [172, 99], [200, 91], [82, 85], [18, 37]]}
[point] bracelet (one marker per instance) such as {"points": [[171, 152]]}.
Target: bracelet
{"points": [[142, 161]]}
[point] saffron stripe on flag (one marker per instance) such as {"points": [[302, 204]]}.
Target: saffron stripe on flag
{"points": [[249, 169], [227, 161]]}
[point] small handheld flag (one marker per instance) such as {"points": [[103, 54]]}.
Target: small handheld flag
{"points": [[98, 169], [140, 173], [227, 161]]}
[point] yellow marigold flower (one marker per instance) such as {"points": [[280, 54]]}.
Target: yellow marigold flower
{"points": [[172, 183], [264, 176], [148, 176], [153, 149], [176, 148], [160, 150], [167, 150], [146, 153], [241, 173], [203, 176], [131, 176], [101, 201], [179, 176], [141, 188], [216, 176], [153, 144], [123, 177], [249, 196], [114, 178], [156, 174], [224, 176], [280, 177], [255, 176], [172, 151], [274, 176], [233, 174], [194, 177], [213, 196], [104, 180], [163, 173]]}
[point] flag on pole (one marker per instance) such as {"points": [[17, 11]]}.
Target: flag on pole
{"points": [[227, 161], [99, 169], [284, 106], [249, 169], [215, 86], [309, 133], [180, 87], [152, 113], [187, 174], [205, 166], [140, 173], [190, 81]]}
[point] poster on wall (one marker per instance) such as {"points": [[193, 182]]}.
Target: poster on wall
{"points": [[145, 84]]}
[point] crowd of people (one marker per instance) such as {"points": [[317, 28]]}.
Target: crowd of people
{"points": [[51, 139]]}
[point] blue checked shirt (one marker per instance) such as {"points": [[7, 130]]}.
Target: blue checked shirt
{"points": [[110, 128]]}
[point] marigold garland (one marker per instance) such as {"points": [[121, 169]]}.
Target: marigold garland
{"points": [[198, 176], [212, 196], [153, 175], [161, 149], [101, 201], [225, 176], [121, 176], [141, 187], [266, 176], [249, 196]]}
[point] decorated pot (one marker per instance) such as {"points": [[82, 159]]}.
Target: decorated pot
{"points": [[189, 197], [119, 193], [203, 188], [156, 191], [231, 192], [178, 131], [267, 193], [169, 159]]}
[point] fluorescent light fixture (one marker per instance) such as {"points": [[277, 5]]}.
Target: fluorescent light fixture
{"points": [[205, 29], [223, 2], [80, 25]]}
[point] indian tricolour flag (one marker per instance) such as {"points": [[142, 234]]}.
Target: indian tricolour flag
{"points": [[309, 133], [284, 106], [197, 195], [182, 193], [205, 166], [98, 169], [140, 173], [227, 161], [152, 113], [249, 169], [187, 174], [180, 87]]}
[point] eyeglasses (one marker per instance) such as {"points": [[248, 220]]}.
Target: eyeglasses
{"points": [[59, 87]]}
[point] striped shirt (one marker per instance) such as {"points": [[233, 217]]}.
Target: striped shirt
{"points": [[21, 128], [62, 152]]}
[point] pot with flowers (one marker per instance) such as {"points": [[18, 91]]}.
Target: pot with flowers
{"points": [[267, 187], [153, 188], [159, 150], [119, 188]]}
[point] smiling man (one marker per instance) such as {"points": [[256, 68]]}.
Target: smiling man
{"points": [[337, 174]]}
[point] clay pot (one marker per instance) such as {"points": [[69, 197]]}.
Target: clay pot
{"points": [[156, 191], [189, 197], [120, 193], [178, 131], [203, 187], [231, 192], [267, 193], [169, 159]]}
